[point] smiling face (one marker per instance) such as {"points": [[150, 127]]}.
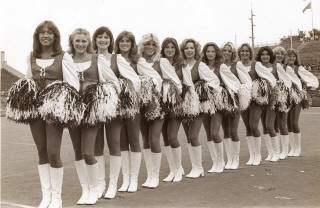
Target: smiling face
{"points": [[211, 53], [279, 56], [80, 43], [103, 41], [245, 53], [189, 50], [46, 37], [150, 48], [169, 50], [291, 58], [125, 45], [227, 52], [265, 57]]}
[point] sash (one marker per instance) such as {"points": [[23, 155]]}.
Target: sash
{"points": [[265, 73], [169, 72], [146, 69], [283, 76], [243, 73], [229, 79], [294, 78], [208, 75], [187, 77], [308, 77]]}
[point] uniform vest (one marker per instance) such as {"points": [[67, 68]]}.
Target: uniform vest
{"points": [[89, 76]]}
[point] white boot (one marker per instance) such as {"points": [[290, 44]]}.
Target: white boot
{"points": [[198, 169], [45, 181], [148, 162], [236, 154], [250, 143], [292, 144], [135, 161], [267, 140], [125, 167], [178, 170], [213, 156], [276, 149], [156, 163], [101, 176], [93, 183], [191, 156], [229, 152], [220, 157], [168, 151], [284, 145], [56, 176], [115, 164], [257, 150], [297, 140], [83, 178]]}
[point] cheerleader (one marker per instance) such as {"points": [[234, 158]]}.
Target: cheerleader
{"points": [[103, 43], [261, 92], [32, 101], [212, 56], [245, 71], [197, 78], [101, 102], [301, 79], [123, 63], [170, 65], [282, 103]]}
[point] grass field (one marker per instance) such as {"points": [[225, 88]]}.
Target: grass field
{"points": [[294, 182]]}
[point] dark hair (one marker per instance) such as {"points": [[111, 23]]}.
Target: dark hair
{"points": [[56, 43], [218, 58], [269, 50], [250, 50], [77, 32], [177, 60], [294, 52], [100, 31], [197, 48], [133, 54]]}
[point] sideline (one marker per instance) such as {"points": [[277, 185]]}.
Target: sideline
{"points": [[15, 205]]}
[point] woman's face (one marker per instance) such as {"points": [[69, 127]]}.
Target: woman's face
{"points": [[245, 53], [279, 56], [46, 37], [125, 44], [80, 43], [150, 48], [211, 53], [169, 50], [103, 41], [265, 57], [190, 50], [291, 58], [227, 52]]}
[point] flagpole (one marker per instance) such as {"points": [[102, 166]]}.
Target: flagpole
{"points": [[312, 19]]}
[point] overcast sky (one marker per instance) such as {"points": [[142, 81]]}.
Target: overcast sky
{"points": [[204, 20]]}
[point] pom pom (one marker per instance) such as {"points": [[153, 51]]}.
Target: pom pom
{"points": [[171, 98], [128, 100], [22, 101], [306, 100], [60, 103], [190, 105], [206, 97], [280, 98], [227, 101], [146, 90], [260, 91], [244, 94]]}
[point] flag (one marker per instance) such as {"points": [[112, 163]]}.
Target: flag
{"points": [[307, 7]]}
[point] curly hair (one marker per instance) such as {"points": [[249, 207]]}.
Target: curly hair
{"points": [[133, 54], [280, 49], [56, 43], [146, 38], [294, 52], [79, 31], [177, 60], [269, 50], [250, 50], [100, 31], [196, 46], [217, 60], [233, 51]]}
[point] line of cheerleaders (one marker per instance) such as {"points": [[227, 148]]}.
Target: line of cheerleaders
{"points": [[127, 88]]}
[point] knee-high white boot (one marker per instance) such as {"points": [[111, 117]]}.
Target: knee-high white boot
{"points": [[45, 181], [178, 170], [257, 151], [268, 143], [198, 169], [297, 139], [235, 156], [115, 164], [135, 161], [156, 163], [125, 167], [93, 183], [250, 143], [292, 144], [148, 163], [276, 148], [229, 152], [56, 176], [83, 178], [212, 155], [191, 156], [284, 145], [168, 151], [101, 175], [220, 157]]}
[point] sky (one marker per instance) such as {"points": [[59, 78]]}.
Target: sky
{"points": [[216, 21]]}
